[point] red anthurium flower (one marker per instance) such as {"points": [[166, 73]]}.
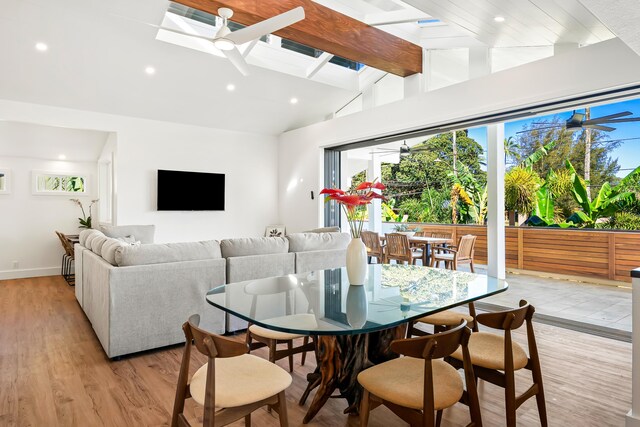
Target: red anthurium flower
{"points": [[378, 186], [364, 185], [348, 199], [332, 191]]}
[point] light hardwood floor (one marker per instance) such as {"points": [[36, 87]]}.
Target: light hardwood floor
{"points": [[53, 372]]}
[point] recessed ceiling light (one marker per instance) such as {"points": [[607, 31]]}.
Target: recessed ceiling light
{"points": [[42, 47], [293, 100], [231, 87], [150, 70], [499, 18], [62, 157]]}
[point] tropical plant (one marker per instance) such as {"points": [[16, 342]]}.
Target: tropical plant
{"points": [[468, 196], [388, 215], [538, 154], [520, 187], [622, 221], [559, 182], [511, 150]]}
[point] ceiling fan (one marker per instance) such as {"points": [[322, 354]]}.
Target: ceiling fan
{"points": [[227, 41], [405, 150], [577, 121]]}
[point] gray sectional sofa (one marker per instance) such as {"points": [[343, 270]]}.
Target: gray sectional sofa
{"points": [[137, 294]]}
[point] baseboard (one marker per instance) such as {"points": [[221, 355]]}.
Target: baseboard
{"points": [[29, 272]]}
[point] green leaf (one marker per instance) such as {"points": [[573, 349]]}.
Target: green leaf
{"points": [[544, 207], [579, 190], [537, 155]]}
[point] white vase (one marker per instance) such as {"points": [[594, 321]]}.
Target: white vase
{"points": [[357, 306], [357, 262]]}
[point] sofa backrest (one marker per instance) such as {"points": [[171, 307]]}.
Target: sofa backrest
{"points": [[320, 260], [248, 246], [129, 255], [139, 233], [304, 242]]}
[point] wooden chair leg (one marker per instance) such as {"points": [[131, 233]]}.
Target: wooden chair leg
{"points": [[272, 351], [510, 399], [305, 341], [290, 348], [536, 372], [471, 266], [364, 409], [282, 409], [438, 418], [247, 420], [249, 338]]}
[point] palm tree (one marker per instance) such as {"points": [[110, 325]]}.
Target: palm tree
{"points": [[511, 150]]}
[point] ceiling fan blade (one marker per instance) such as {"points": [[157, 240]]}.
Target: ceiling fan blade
{"points": [[630, 119], [267, 26], [237, 60], [599, 127], [544, 128], [602, 119]]}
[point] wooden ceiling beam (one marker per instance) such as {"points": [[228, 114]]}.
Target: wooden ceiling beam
{"points": [[326, 30]]}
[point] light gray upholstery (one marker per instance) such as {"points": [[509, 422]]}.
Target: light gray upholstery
{"points": [[109, 250], [324, 230], [82, 237], [253, 267], [142, 233], [253, 246], [143, 307], [90, 236], [78, 254], [97, 242], [320, 260], [129, 255], [302, 242]]}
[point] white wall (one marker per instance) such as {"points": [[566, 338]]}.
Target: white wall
{"points": [[579, 72], [29, 221], [250, 162]]}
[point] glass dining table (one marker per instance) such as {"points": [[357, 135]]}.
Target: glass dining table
{"points": [[353, 325]]}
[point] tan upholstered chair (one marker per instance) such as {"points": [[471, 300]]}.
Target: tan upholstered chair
{"points": [[444, 320], [374, 247], [271, 339], [421, 383], [495, 358], [231, 385], [456, 255], [398, 249]]}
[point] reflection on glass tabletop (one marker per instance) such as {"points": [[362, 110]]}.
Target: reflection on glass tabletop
{"points": [[323, 303]]}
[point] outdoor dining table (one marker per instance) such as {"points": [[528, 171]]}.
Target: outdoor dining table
{"points": [[353, 325], [426, 244]]}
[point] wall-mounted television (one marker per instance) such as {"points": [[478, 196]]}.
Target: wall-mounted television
{"points": [[190, 191]]}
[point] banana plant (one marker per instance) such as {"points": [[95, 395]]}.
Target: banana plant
{"points": [[537, 155], [608, 201], [471, 194]]}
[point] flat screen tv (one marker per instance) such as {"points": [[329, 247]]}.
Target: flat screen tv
{"points": [[190, 191]]}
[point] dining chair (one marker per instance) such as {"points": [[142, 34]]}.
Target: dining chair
{"points": [[270, 338], [453, 256], [421, 383], [444, 320], [375, 248], [496, 357], [398, 249], [231, 385], [68, 259]]}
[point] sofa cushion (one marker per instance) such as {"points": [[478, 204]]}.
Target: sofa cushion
{"points": [[303, 242], [97, 242], [90, 236], [254, 246], [82, 237], [109, 249], [324, 230], [142, 233], [166, 252]]}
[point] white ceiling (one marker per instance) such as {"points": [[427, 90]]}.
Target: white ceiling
{"points": [[97, 56], [621, 16], [48, 143]]}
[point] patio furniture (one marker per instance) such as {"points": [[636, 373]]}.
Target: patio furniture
{"points": [[421, 383], [68, 259], [375, 248], [354, 325], [456, 255], [398, 249], [220, 385], [495, 358]]}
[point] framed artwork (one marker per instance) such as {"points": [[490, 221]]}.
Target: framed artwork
{"points": [[274, 231], [5, 181], [59, 183]]}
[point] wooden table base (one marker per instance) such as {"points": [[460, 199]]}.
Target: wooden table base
{"points": [[340, 360]]}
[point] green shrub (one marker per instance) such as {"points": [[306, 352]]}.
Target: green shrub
{"points": [[623, 221], [520, 186]]}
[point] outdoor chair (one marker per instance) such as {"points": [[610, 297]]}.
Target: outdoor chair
{"points": [[495, 358], [375, 248], [231, 385], [421, 383], [455, 255], [398, 249]]}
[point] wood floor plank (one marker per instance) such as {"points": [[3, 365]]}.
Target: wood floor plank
{"points": [[53, 372]]}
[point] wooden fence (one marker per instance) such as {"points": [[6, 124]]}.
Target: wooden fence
{"points": [[600, 254]]}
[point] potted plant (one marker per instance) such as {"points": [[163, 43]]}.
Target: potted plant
{"points": [[404, 229]]}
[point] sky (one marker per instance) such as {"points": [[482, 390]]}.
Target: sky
{"points": [[628, 153]]}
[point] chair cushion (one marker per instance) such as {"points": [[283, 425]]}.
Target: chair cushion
{"points": [[446, 318], [401, 381], [445, 257], [240, 380], [487, 350], [297, 321]]}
